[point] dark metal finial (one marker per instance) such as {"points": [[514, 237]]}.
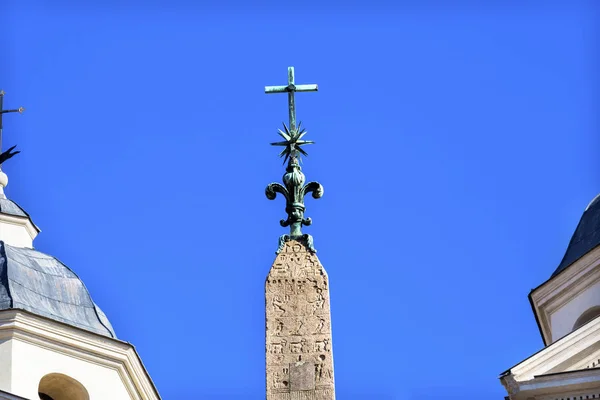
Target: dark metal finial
{"points": [[294, 190], [8, 153]]}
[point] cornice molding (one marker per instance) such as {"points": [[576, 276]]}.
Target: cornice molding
{"points": [[30, 227], [78, 343], [592, 393], [550, 386], [560, 353], [578, 268], [591, 361]]}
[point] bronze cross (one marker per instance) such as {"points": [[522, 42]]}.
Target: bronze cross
{"points": [[3, 111], [291, 88]]}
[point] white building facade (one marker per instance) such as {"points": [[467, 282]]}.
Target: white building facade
{"points": [[566, 307], [55, 342]]}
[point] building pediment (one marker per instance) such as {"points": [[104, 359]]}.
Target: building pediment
{"points": [[569, 364], [108, 367]]}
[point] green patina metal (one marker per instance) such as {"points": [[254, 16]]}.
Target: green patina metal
{"points": [[293, 189], [291, 89], [293, 142]]}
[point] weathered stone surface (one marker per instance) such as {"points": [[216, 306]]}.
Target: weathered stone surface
{"points": [[302, 376], [299, 355]]}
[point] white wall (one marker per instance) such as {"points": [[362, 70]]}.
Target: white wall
{"points": [[5, 364], [563, 319], [15, 235], [31, 362]]}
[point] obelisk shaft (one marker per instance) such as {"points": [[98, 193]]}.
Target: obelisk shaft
{"points": [[299, 356]]}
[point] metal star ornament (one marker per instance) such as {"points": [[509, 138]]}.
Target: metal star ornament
{"points": [[293, 141]]}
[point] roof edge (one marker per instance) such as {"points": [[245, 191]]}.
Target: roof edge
{"points": [[535, 314], [26, 216], [110, 331], [562, 267]]}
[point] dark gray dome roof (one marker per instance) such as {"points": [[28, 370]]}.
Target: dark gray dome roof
{"points": [[586, 236], [40, 284]]}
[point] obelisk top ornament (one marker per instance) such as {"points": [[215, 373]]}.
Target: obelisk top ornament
{"points": [[293, 189]]}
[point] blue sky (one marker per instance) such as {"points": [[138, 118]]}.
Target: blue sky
{"points": [[457, 146]]}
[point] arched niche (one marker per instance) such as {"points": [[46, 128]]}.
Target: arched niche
{"points": [[586, 317], [61, 387]]}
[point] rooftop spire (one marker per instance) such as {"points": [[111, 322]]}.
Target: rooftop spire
{"points": [[294, 190], [8, 153]]}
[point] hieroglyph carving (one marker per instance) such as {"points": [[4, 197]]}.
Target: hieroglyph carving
{"points": [[298, 325]]}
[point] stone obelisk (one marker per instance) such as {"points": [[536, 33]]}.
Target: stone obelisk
{"points": [[299, 357]]}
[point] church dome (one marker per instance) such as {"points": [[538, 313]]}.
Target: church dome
{"points": [[39, 283], [586, 236]]}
